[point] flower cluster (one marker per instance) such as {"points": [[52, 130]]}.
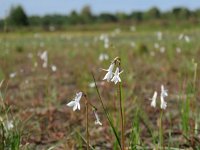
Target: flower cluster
{"points": [[163, 94], [113, 77]]}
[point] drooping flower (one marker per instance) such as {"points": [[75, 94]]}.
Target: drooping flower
{"points": [[53, 68], [163, 103], [97, 121], [44, 57], [76, 102], [116, 77], [163, 91], [153, 99], [109, 73]]}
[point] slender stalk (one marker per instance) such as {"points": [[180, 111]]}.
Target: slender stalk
{"points": [[2, 136], [122, 117], [1, 96], [87, 121], [117, 61], [194, 96], [195, 75], [161, 130]]}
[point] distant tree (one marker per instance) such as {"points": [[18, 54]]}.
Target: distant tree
{"points": [[35, 21], [152, 13], [1, 25], [73, 18], [181, 13], [121, 16], [46, 21], [18, 17], [137, 16], [86, 15], [106, 17], [197, 12]]}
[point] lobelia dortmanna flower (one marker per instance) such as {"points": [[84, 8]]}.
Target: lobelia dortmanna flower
{"points": [[163, 94], [109, 73], [76, 102], [116, 77], [44, 57], [97, 121], [153, 99]]}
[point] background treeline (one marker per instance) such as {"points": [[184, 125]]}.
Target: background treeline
{"points": [[18, 18]]}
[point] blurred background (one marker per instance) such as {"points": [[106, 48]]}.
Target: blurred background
{"points": [[54, 15]]}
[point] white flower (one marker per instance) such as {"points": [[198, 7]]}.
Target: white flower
{"points": [[163, 91], [132, 44], [159, 35], [97, 121], [9, 125], [153, 99], [162, 49], [53, 68], [109, 73], [44, 57], [103, 57], [12, 75], [75, 103], [163, 103], [181, 36], [116, 77], [187, 38], [92, 84], [156, 45]]}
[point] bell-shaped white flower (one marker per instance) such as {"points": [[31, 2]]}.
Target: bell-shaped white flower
{"points": [[109, 73], [44, 57], [163, 91], [97, 121], [116, 77], [153, 99], [163, 103], [76, 102]]}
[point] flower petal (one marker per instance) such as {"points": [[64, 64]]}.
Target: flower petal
{"points": [[78, 96], [75, 107], [71, 104], [79, 106]]}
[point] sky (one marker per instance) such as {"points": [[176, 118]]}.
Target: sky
{"points": [[42, 7]]}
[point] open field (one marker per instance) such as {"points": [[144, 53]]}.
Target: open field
{"points": [[36, 95]]}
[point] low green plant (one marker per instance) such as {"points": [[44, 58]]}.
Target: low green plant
{"points": [[10, 133]]}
